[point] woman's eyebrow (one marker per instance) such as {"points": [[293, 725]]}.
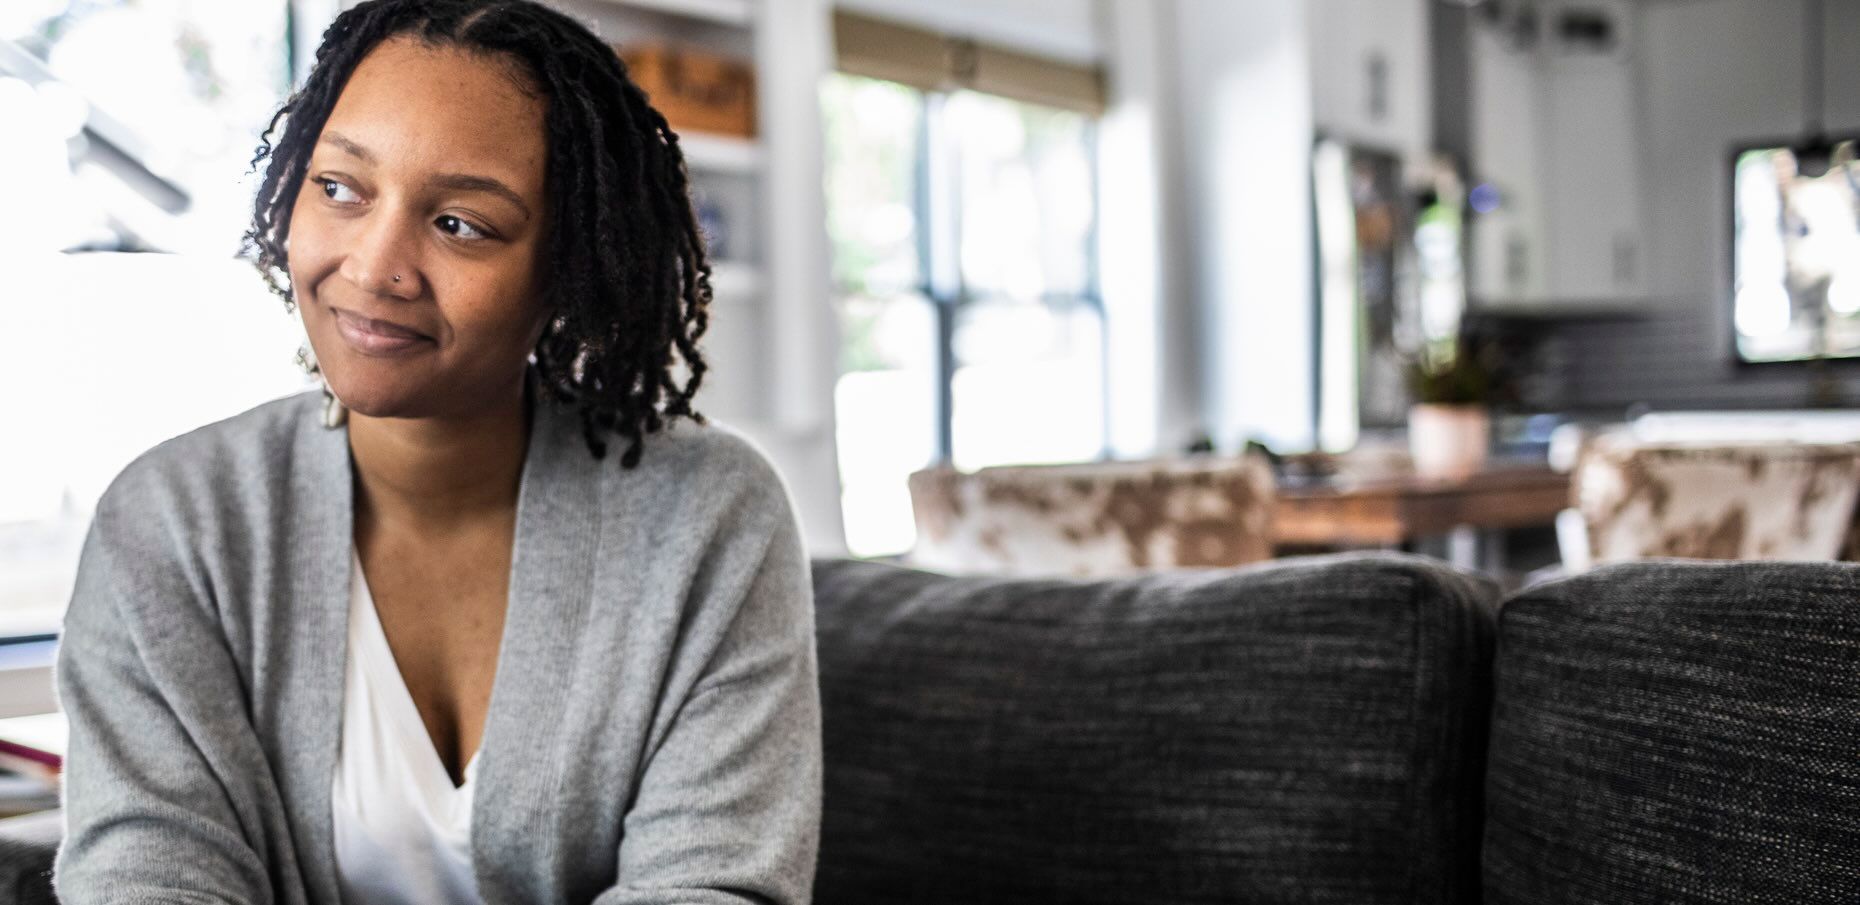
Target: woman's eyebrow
{"points": [[460, 182], [354, 150], [463, 182]]}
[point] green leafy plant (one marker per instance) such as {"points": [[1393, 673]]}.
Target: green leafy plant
{"points": [[1454, 372]]}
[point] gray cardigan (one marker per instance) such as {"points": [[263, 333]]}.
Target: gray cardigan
{"points": [[654, 729]]}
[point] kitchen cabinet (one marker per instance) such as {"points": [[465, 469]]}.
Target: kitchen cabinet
{"points": [[1557, 135]]}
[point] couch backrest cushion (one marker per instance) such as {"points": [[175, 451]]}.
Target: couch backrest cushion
{"points": [[1678, 733], [1306, 731]]}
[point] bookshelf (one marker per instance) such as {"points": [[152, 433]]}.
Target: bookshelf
{"points": [[771, 327]]}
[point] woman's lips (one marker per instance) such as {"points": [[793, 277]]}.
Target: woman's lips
{"points": [[377, 337]]}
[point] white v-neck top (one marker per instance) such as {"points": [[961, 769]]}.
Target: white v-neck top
{"points": [[402, 830]]}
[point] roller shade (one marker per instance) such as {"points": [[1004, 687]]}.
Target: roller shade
{"points": [[926, 59]]}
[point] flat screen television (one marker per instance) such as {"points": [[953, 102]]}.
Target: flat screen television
{"points": [[1795, 253]]}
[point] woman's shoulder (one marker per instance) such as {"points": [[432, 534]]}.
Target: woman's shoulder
{"points": [[247, 454], [714, 449], [173, 515], [716, 465]]}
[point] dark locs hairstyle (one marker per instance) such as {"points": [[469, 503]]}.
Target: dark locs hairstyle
{"points": [[624, 268]]}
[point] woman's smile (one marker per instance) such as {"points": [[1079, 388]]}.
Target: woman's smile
{"points": [[371, 336]]}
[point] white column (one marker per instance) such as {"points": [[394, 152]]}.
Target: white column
{"points": [[1245, 100], [793, 52], [1152, 356]]}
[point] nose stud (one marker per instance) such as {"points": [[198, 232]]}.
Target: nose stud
{"points": [[397, 278]]}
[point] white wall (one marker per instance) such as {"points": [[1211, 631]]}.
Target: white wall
{"points": [[1206, 200], [1245, 104]]}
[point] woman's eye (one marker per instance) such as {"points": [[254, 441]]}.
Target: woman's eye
{"points": [[333, 189], [461, 228]]}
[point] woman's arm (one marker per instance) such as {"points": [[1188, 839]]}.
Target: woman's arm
{"points": [[157, 719], [728, 811]]}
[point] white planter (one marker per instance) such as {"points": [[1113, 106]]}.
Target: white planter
{"points": [[1448, 441]]}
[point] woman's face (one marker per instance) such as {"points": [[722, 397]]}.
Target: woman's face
{"points": [[430, 169]]}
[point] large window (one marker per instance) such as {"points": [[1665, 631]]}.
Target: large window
{"points": [[126, 132], [963, 227]]}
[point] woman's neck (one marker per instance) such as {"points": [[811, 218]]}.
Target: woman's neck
{"points": [[440, 473]]}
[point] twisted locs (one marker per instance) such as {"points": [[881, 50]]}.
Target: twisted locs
{"points": [[625, 269]]}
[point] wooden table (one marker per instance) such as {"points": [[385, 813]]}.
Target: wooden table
{"points": [[1400, 510]]}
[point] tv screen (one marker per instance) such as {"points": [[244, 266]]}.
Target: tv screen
{"points": [[1796, 253]]}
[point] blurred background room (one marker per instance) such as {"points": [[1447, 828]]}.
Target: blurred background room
{"points": [[1071, 286]]}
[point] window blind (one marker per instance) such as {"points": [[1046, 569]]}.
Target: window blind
{"points": [[932, 61]]}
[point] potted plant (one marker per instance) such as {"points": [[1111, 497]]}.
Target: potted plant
{"points": [[1450, 424]]}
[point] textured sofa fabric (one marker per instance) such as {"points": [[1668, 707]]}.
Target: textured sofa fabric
{"points": [[27, 845], [1678, 733], [1302, 731]]}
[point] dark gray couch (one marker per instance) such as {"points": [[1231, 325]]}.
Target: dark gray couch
{"points": [[1317, 731], [1307, 731]]}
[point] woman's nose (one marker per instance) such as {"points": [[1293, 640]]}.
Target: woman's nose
{"points": [[384, 259]]}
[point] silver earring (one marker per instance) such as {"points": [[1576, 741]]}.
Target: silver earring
{"points": [[335, 414]]}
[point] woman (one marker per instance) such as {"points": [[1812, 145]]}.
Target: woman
{"points": [[417, 638]]}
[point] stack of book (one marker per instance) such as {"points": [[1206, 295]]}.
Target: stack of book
{"points": [[32, 754]]}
